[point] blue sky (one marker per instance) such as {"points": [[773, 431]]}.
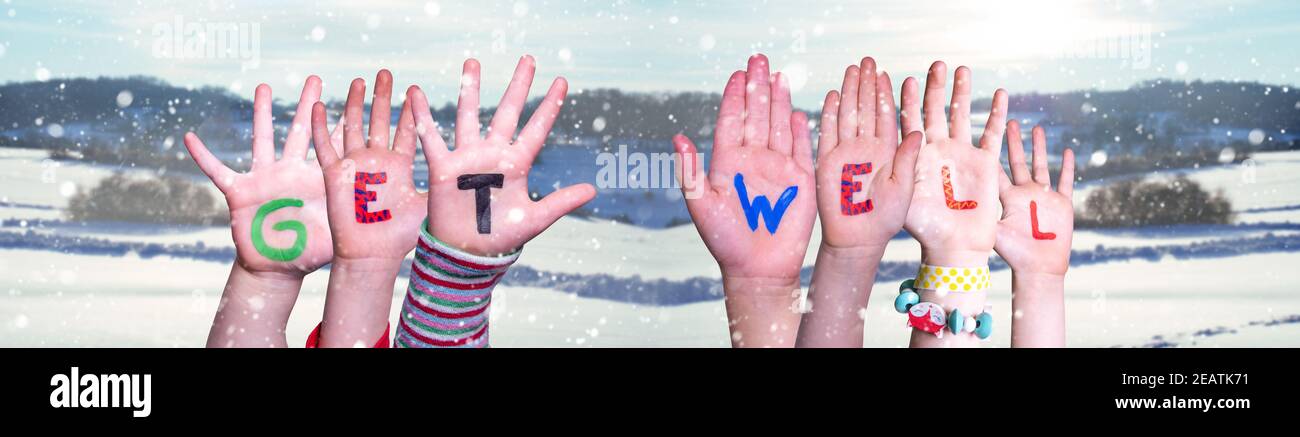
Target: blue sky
{"points": [[1021, 45]]}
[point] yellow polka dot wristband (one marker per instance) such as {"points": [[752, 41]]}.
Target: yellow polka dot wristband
{"points": [[953, 279]]}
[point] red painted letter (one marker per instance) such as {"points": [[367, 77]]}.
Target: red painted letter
{"points": [[948, 196], [362, 197], [848, 186], [1033, 223]]}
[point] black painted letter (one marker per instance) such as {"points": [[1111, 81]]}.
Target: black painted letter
{"points": [[482, 184]]}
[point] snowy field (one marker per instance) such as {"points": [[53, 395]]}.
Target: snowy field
{"points": [[50, 298]]}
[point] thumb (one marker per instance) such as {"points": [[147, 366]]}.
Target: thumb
{"points": [[320, 137], [561, 202], [905, 158], [689, 171]]}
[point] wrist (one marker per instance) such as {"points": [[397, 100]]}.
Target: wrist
{"points": [[855, 255], [367, 265], [254, 308], [967, 304], [449, 295], [960, 283], [472, 246], [1038, 275], [1038, 309], [762, 311], [265, 285], [939, 256], [837, 298], [851, 269], [760, 285], [358, 301]]}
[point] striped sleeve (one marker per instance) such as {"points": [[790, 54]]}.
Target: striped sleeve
{"points": [[447, 301]]}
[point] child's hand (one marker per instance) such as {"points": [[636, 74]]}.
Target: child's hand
{"points": [[864, 181], [277, 209], [954, 210], [864, 187], [278, 221], [1034, 238], [1037, 223], [375, 211], [754, 211], [762, 146], [480, 189]]}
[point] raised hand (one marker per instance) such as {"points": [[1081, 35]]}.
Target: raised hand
{"points": [[954, 210], [278, 221], [375, 212], [864, 182], [480, 189], [864, 187], [755, 211], [1037, 222], [374, 209], [280, 245], [1034, 238]]}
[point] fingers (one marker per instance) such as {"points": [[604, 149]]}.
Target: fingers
{"points": [[779, 137], [1004, 181], [381, 110], [1016, 154], [689, 171], [208, 163], [263, 127], [887, 117], [539, 125], [867, 102], [936, 81], [911, 106], [353, 137], [731, 114], [404, 139], [295, 144], [336, 134], [802, 141], [827, 137], [758, 102], [1040, 156], [905, 160], [849, 103], [506, 119], [1066, 185], [467, 126], [960, 109], [325, 153], [563, 201], [991, 140], [425, 127]]}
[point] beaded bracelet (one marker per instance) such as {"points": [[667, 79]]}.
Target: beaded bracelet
{"points": [[930, 317]]}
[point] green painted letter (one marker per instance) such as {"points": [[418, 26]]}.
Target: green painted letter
{"points": [[277, 253]]}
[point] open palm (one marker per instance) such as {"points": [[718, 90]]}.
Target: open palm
{"points": [[761, 139], [277, 209], [480, 189], [374, 208], [858, 156], [955, 205], [1037, 223]]}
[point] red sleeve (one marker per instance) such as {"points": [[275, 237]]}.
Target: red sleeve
{"points": [[313, 339]]}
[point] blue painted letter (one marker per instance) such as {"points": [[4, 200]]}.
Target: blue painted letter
{"points": [[761, 206]]}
